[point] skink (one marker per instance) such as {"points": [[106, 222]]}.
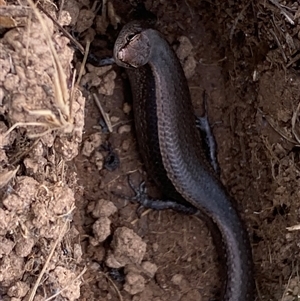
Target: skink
{"points": [[171, 148]]}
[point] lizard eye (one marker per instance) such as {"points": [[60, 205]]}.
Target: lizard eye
{"points": [[130, 37]]}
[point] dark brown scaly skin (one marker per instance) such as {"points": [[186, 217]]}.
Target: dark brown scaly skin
{"points": [[171, 148]]}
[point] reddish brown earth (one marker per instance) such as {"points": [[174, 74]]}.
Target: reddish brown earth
{"points": [[57, 209]]}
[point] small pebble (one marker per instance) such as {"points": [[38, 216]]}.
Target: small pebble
{"points": [[126, 145], [176, 279], [126, 128], [149, 268], [126, 108], [114, 119]]}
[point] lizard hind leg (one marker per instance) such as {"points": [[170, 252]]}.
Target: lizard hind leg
{"points": [[145, 201]]}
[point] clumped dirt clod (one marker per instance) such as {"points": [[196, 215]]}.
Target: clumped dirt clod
{"points": [[127, 248], [36, 202]]}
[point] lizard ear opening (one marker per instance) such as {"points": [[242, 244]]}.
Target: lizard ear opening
{"points": [[130, 37]]}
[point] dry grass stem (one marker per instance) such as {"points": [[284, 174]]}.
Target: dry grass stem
{"points": [[86, 52], [104, 114], [294, 120], [66, 287], [66, 33], [14, 11], [278, 129], [6, 176], [294, 228], [44, 269], [114, 286], [287, 15]]}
